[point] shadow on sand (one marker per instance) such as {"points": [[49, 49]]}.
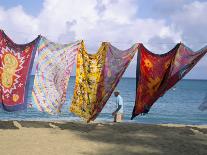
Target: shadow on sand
{"points": [[142, 139], [132, 139], [7, 125]]}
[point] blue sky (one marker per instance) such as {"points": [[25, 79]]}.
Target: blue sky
{"points": [[159, 24], [32, 7]]}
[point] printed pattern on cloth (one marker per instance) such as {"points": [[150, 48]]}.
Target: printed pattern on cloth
{"points": [[88, 72], [16, 62], [115, 65], [96, 78], [158, 73], [54, 65]]}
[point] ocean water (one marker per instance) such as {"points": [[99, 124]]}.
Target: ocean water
{"points": [[178, 105]]}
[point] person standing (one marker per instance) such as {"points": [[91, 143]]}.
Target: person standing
{"points": [[118, 113]]}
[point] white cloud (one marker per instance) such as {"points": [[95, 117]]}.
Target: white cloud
{"points": [[101, 20], [84, 19], [18, 24], [191, 20]]}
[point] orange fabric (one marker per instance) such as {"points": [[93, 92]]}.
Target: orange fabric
{"points": [[158, 73]]}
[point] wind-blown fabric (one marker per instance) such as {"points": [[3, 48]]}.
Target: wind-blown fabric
{"points": [[158, 73], [16, 61], [203, 105], [96, 78], [54, 65]]}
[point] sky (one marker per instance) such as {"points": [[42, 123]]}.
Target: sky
{"points": [[158, 24]]}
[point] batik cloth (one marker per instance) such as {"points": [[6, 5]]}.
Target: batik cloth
{"points": [[16, 62], [158, 73], [97, 76], [54, 65]]}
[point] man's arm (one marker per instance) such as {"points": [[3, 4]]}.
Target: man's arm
{"points": [[119, 107]]}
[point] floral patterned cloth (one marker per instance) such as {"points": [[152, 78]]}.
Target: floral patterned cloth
{"points": [[158, 73], [96, 78], [54, 65], [15, 65]]}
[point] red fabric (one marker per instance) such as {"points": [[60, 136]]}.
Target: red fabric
{"points": [[15, 65], [158, 73]]}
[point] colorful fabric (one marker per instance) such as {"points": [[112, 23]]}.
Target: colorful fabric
{"points": [[16, 61], [54, 65], [96, 78], [158, 73]]}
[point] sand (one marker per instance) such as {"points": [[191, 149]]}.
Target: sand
{"points": [[76, 138]]}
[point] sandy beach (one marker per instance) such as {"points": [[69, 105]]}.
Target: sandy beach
{"points": [[78, 138]]}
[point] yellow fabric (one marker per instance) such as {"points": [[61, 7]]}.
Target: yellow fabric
{"points": [[88, 73]]}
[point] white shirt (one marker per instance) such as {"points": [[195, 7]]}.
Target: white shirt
{"points": [[119, 101]]}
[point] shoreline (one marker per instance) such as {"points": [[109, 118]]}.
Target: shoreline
{"points": [[80, 138], [107, 122]]}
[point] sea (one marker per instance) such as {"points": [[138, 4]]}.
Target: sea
{"points": [[179, 105]]}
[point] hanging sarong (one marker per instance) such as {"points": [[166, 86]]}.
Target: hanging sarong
{"points": [[54, 65], [158, 73], [16, 62], [96, 78], [203, 105]]}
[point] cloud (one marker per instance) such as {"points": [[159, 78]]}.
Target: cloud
{"points": [[191, 21], [18, 24], [91, 20], [116, 21]]}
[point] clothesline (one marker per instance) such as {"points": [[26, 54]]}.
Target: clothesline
{"points": [[126, 42], [96, 75]]}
